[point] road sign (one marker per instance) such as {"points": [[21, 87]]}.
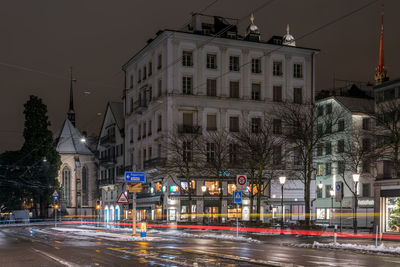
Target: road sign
{"points": [[136, 177], [339, 191], [122, 199], [55, 194], [55, 198], [134, 187], [237, 197], [241, 182]]}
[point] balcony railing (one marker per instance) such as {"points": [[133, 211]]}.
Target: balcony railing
{"points": [[154, 163], [189, 129], [107, 139], [104, 182], [108, 161]]}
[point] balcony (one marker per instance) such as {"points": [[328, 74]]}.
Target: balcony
{"points": [[107, 181], [108, 161], [107, 140], [154, 163], [189, 129], [140, 105]]}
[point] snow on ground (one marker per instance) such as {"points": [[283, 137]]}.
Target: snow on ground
{"points": [[362, 248], [212, 236]]}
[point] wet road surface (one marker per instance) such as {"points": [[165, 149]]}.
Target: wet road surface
{"points": [[43, 246]]}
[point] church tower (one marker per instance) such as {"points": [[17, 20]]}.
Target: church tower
{"points": [[71, 112], [381, 72]]}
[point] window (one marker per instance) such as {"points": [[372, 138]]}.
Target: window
{"points": [[139, 132], [277, 68], [187, 58], [187, 151], [319, 193], [255, 125], [131, 81], [159, 126], [187, 119], [320, 110], [234, 124], [366, 145], [319, 150], [297, 95], [131, 136], [255, 65], [328, 108], [328, 127], [328, 189], [328, 148], [211, 122], [159, 150], [276, 126], [234, 89], [144, 130], [150, 152], [319, 169], [255, 91], [159, 87], [366, 166], [210, 152], [159, 61], [233, 153], [277, 155], [341, 167], [211, 61], [144, 73], [298, 70], [211, 87], [277, 93], [340, 146], [150, 131], [340, 125], [366, 190], [132, 104], [150, 68], [150, 94], [328, 168], [234, 63], [66, 185], [187, 85], [366, 123], [319, 129], [297, 156], [139, 75]]}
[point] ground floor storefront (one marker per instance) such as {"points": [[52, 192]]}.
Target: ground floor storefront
{"points": [[387, 205]]}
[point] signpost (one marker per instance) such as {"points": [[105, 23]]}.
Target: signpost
{"points": [[122, 199], [339, 198], [241, 182], [237, 198], [133, 179], [55, 197]]}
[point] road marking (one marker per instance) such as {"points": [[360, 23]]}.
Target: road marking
{"points": [[324, 257], [61, 261]]}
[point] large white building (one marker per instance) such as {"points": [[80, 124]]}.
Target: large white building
{"points": [[207, 78]]}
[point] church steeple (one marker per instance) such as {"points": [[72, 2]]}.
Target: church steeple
{"points": [[381, 73], [71, 112]]}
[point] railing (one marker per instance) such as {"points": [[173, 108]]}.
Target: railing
{"points": [[108, 139], [190, 129], [106, 181], [108, 161], [153, 163]]}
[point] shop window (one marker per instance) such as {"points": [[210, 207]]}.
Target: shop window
{"points": [[185, 187], [231, 189], [212, 187]]}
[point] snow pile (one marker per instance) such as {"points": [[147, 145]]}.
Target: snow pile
{"points": [[363, 248], [212, 236], [104, 235]]}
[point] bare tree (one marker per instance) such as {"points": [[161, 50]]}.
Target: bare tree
{"points": [[304, 130], [261, 152], [183, 162]]}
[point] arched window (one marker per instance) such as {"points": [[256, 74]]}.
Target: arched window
{"points": [[66, 185], [84, 187]]}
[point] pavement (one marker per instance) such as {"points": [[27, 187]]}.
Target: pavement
{"points": [[73, 245]]}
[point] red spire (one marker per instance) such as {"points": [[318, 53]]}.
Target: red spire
{"points": [[380, 75]]}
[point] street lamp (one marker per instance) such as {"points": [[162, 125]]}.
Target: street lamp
{"points": [[83, 140], [282, 180], [356, 179], [204, 189], [332, 193]]}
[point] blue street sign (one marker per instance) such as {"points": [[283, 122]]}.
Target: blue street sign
{"points": [[338, 187], [237, 197], [55, 198], [136, 177]]}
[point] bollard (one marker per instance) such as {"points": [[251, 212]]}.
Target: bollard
{"points": [[143, 229], [334, 235], [376, 236]]}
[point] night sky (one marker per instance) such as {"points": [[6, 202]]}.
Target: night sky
{"points": [[40, 40]]}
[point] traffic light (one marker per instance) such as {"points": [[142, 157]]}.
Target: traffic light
{"points": [[98, 205]]}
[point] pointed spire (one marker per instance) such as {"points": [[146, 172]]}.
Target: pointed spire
{"points": [[71, 112], [252, 18], [287, 29], [381, 73]]}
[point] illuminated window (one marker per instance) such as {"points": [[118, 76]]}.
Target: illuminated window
{"points": [[319, 169], [212, 187], [231, 189]]}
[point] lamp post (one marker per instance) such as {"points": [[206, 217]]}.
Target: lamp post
{"points": [[332, 193], [203, 189], [282, 180], [356, 179]]}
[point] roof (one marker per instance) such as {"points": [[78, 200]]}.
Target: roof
{"points": [[117, 110], [387, 83], [357, 105], [69, 141]]}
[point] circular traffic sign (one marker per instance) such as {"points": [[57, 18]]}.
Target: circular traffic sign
{"points": [[242, 180], [338, 187]]}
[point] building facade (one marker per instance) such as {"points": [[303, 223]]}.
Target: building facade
{"points": [[207, 78]]}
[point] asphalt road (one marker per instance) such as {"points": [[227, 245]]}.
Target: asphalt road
{"points": [[43, 246]]}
